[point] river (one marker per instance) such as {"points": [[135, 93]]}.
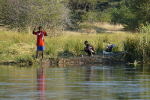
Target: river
{"points": [[116, 82]]}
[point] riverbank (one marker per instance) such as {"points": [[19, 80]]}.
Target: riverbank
{"points": [[21, 47], [116, 58]]}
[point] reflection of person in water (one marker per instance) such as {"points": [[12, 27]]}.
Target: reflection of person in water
{"points": [[41, 83], [88, 73]]}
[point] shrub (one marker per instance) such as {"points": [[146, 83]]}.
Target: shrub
{"points": [[90, 16], [137, 48], [131, 47], [24, 59], [144, 28]]}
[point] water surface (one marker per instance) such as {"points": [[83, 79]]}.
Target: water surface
{"points": [[75, 83]]}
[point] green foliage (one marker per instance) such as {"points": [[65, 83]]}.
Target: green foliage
{"points": [[85, 10], [51, 14], [105, 16], [24, 59], [78, 47], [132, 13], [141, 8], [99, 46], [90, 16], [144, 29], [59, 14], [51, 50], [21, 14], [137, 48], [124, 16], [14, 13], [131, 47]]}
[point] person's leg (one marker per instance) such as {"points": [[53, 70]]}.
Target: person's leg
{"points": [[37, 53], [111, 49], [107, 49], [85, 50], [43, 48], [92, 52], [89, 53], [42, 54]]}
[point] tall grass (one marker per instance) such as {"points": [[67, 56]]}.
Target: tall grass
{"points": [[21, 47], [144, 29], [14, 45], [137, 48]]}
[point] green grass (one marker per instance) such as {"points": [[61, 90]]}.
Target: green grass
{"points": [[21, 47]]}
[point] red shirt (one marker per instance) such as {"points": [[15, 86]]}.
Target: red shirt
{"points": [[40, 37]]}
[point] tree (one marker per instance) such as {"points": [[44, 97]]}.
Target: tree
{"points": [[14, 13], [142, 10], [84, 10], [50, 14], [21, 14], [132, 13]]}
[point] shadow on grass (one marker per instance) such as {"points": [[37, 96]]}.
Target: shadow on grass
{"points": [[99, 30]]}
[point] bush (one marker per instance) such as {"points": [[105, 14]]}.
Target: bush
{"points": [[132, 13], [25, 60], [144, 29], [124, 16], [131, 47], [90, 16], [21, 14], [105, 16], [137, 48]]}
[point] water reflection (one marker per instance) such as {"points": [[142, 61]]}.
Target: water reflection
{"points": [[75, 83], [88, 72], [41, 84]]}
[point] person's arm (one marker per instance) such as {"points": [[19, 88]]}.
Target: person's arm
{"points": [[34, 31], [45, 33], [93, 48]]}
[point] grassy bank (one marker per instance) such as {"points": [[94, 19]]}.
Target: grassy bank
{"points": [[21, 47]]}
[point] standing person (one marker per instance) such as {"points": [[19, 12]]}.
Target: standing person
{"points": [[89, 49], [40, 40]]}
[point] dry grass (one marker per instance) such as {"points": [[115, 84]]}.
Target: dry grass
{"points": [[109, 27], [100, 27]]}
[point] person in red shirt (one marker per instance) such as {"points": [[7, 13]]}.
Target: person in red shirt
{"points": [[40, 40]]}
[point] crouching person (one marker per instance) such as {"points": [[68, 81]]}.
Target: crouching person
{"points": [[109, 49], [89, 49]]}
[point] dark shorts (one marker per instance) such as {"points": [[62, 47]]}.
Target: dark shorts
{"points": [[40, 48]]}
